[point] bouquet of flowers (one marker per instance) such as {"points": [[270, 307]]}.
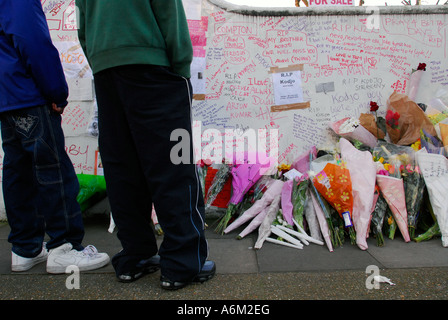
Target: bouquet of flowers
{"points": [[352, 129], [259, 207], [261, 215], [382, 211], [378, 215], [432, 143], [321, 207], [405, 119], [311, 218], [302, 162], [434, 168], [392, 189], [286, 201], [254, 193], [392, 118], [339, 225], [334, 184], [372, 122], [432, 230], [264, 230], [391, 225], [299, 200], [218, 182], [362, 171], [244, 176], [414, 81], [281, 170], [414, 185], [437, 112]]}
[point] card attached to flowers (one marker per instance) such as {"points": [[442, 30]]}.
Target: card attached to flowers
{"points": [[293, 174]]}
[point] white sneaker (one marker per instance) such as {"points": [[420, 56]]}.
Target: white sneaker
{"points": [[19, 263], [63, 256]]}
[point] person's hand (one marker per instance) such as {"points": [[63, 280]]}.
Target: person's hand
{"points": [[58, 110]]}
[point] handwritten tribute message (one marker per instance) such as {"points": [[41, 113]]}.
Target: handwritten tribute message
{"points": [[333, 64], [344, 62], [294, 73]]}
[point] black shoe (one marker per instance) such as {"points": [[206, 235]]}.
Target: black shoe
{"points": [[142, 268], [207, 272]]}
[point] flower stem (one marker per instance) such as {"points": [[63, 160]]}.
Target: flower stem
{"points": [[222, 225], [431, 232], [352, 234], [379, 239]]}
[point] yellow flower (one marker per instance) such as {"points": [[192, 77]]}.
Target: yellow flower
{"points": [[337, 206], [386, 166], [345, 196], [343, 178], [284, 167], [320, 177], [329, 193], [330, 177], [390, 220], [381, 160], [417, 145]]}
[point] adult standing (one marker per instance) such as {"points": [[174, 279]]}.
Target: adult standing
{"points": [[40, 185], [140, 53]]}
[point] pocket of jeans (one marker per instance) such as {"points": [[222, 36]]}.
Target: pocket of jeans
{"points": [[47, 165], [48, 174], [26, 125]]}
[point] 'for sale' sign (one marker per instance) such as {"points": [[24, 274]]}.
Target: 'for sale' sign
{"points": [[331, 2]]}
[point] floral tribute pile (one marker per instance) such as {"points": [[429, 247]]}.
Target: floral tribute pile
{"points": [[384, 177]]}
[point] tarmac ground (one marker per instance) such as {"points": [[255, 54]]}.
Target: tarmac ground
{"points": [[419, 271]]}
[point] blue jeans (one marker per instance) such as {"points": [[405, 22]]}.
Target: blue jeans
{"points": [[40, 185]]}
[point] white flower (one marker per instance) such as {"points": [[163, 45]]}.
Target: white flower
{"points": [[349, 125]]}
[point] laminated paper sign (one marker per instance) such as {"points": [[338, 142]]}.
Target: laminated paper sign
{"points": [[288, 93], [287, 87]]}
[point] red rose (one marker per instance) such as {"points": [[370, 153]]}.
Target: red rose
{"points": [[392, 118], [396, 116], [373, 106], [205, 163], [421, 66]]}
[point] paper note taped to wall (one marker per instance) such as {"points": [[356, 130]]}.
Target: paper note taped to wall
{"points": [[288, 93], [287, 87]]}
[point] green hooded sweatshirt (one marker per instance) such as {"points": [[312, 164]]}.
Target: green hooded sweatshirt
{"points": [[122, 32]]}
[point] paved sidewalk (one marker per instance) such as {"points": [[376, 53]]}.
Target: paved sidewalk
{"points": [[419, 271]]}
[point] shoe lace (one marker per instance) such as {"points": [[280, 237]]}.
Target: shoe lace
{"points": [[90, 250]]}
